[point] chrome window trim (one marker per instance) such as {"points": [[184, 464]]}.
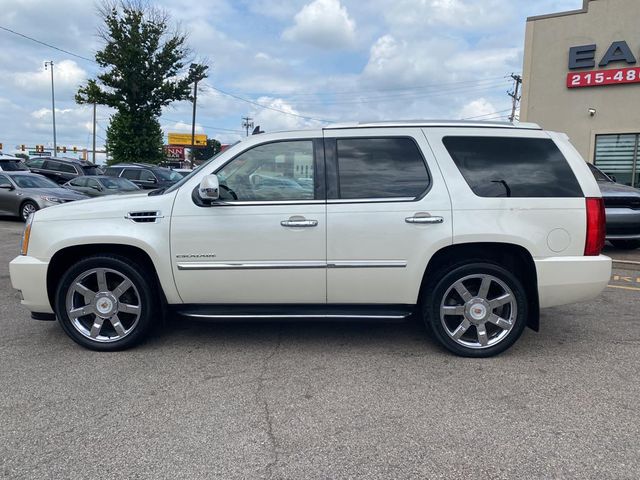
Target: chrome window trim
{"points": [[226, 203], [372, 200]]}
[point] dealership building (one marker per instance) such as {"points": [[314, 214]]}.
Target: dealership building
{"points": [[581, 76]]}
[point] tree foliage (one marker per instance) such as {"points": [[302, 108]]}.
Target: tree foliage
{"points": [[144, 68], [205, 153]]}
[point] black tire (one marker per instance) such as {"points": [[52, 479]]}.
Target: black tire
{"points": [[441, 283], [29, 203], [626, 244], [142, 292]]}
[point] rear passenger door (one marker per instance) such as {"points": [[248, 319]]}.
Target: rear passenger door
{"points": [[388, 212]]}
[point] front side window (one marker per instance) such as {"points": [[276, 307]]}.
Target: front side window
{"points": [[513, 167], [78, 182], [147, 176], [380, 168], [131, 174], [277, 171], [51, 165], [4, 181], [35, 163]]}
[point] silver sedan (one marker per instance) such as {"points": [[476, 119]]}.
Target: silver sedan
{"points": [[23, 193]]}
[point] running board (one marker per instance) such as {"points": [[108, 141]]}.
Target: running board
{"points": [[295, 312]]}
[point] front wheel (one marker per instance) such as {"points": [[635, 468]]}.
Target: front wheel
{"points": [[28, 208], [106, 303], [626, 244], [475, 309]]}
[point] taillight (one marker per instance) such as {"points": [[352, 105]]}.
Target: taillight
{"points": [[596, 227]]}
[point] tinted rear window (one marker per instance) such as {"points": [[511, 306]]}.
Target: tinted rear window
{"points": [[513, 167], [380, 168], [90, 170], [13, 166]]}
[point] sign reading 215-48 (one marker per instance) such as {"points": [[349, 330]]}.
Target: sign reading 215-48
{"points": [[584, 56]]}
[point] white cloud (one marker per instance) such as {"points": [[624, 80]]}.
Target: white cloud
{"points": [[477, 108], [273, 121], [323, 24], [67, 75]]}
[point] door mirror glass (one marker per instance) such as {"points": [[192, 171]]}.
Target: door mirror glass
{"points": [[209, 188]]}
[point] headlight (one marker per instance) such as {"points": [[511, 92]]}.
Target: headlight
{"points": [[26, 235], [51, 199]]}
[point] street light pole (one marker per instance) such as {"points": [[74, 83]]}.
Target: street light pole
{"points": [[94, 133], [53, 108]]}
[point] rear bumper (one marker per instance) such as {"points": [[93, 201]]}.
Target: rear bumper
{"points": [[623, 224], [29, 275], [564, 280]]}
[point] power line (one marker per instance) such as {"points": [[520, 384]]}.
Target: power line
{"points": [[46, 44], [488, 114]]}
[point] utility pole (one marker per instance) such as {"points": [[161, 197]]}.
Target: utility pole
{"points": [[193, 123], [53, 107], [515, 95], [247, 123], [94, 133]]}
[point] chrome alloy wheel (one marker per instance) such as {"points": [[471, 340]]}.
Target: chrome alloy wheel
{"points": [[103, 305], [28, 209], [478, 311]]}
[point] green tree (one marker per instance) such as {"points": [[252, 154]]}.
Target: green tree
{"points": [[144, 68], [205, 153], [23, 156]]}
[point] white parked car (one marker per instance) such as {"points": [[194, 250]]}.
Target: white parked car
{"points": [[472, 226]]}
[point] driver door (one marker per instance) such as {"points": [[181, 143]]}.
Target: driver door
{"points": [[264, 241]]}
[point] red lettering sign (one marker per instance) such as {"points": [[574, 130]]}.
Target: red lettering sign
{"points": [[603, 77], [174, 152]]}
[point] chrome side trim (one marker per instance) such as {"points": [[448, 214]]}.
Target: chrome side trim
{"points": [[229, 203], [367, 264], [371, 200], [250, 265], [302, 264], [204, 315]]}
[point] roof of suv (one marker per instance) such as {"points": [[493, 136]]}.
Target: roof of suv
{"points": [[435, 123], [136, 165], [76, 161]]}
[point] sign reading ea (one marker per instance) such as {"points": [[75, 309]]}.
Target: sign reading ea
{"points": [[584, 56]]}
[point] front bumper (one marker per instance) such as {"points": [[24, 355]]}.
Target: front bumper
{"points": [[564, 280], [29, 275]]}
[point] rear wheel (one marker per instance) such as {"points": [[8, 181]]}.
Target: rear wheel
{"points": [[475, 309], [106, 303], [27, 208], [626, 244]]}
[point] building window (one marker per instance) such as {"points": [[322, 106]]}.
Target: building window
{"points": [[617, 156]]}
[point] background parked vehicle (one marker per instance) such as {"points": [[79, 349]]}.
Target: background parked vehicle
{"points": [[23, 193], [144, 175], [61, 169], [11, 164], [622, 207], [100, 185]]}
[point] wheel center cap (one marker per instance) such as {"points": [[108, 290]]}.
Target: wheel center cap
{"points": [[477, 310], [105, 304]]}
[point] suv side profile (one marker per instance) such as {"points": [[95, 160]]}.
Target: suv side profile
{"points": [[144, 175], [474, 227], [61, 169]]}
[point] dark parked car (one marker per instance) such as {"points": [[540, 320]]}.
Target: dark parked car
{"points": [[23, 193], [101, 185], [61, 169], [622, 208], [11, 164], [144, 175]]}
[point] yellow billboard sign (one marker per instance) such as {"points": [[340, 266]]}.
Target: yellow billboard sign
{"points": [[200, 139]]}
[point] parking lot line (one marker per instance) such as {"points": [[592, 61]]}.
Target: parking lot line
{"points": [[624, 288]]}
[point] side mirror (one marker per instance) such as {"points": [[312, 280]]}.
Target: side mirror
{"points": [[612, 177], [209, 188], [6, 186], [96, 187]]}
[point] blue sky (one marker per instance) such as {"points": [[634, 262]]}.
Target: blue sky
{"points": [[317, 60]]}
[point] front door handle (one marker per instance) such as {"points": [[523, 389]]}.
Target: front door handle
{"points": [[297, 221], [424, 219]]}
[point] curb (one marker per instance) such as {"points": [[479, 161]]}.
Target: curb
{"points": [[626, 265]]}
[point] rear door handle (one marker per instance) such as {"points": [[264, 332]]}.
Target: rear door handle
{"points": [[424, 219], [299, 222]]}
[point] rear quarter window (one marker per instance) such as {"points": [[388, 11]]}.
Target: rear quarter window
{"points": [[513, 167]]}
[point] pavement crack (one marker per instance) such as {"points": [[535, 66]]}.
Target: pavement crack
{"points": [[261, 399]]}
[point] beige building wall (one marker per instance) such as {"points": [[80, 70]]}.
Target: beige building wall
{"points": [[546, 100]]}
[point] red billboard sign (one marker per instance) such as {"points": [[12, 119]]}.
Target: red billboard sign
{"points": [[592, 78], [174, 152]]}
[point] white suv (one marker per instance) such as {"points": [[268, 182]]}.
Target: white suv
{"points": [[472, 226]]}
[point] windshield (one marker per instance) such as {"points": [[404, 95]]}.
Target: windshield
{"points": [[13, 166], [118, 184], [599, 176], [168, 175], [175, 186], [33, 181]]}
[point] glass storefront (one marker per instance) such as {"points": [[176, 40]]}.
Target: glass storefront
{"points": [[617, 155]]}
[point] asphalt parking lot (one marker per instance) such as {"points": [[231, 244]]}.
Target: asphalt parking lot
{"points": [[323, 400]]}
